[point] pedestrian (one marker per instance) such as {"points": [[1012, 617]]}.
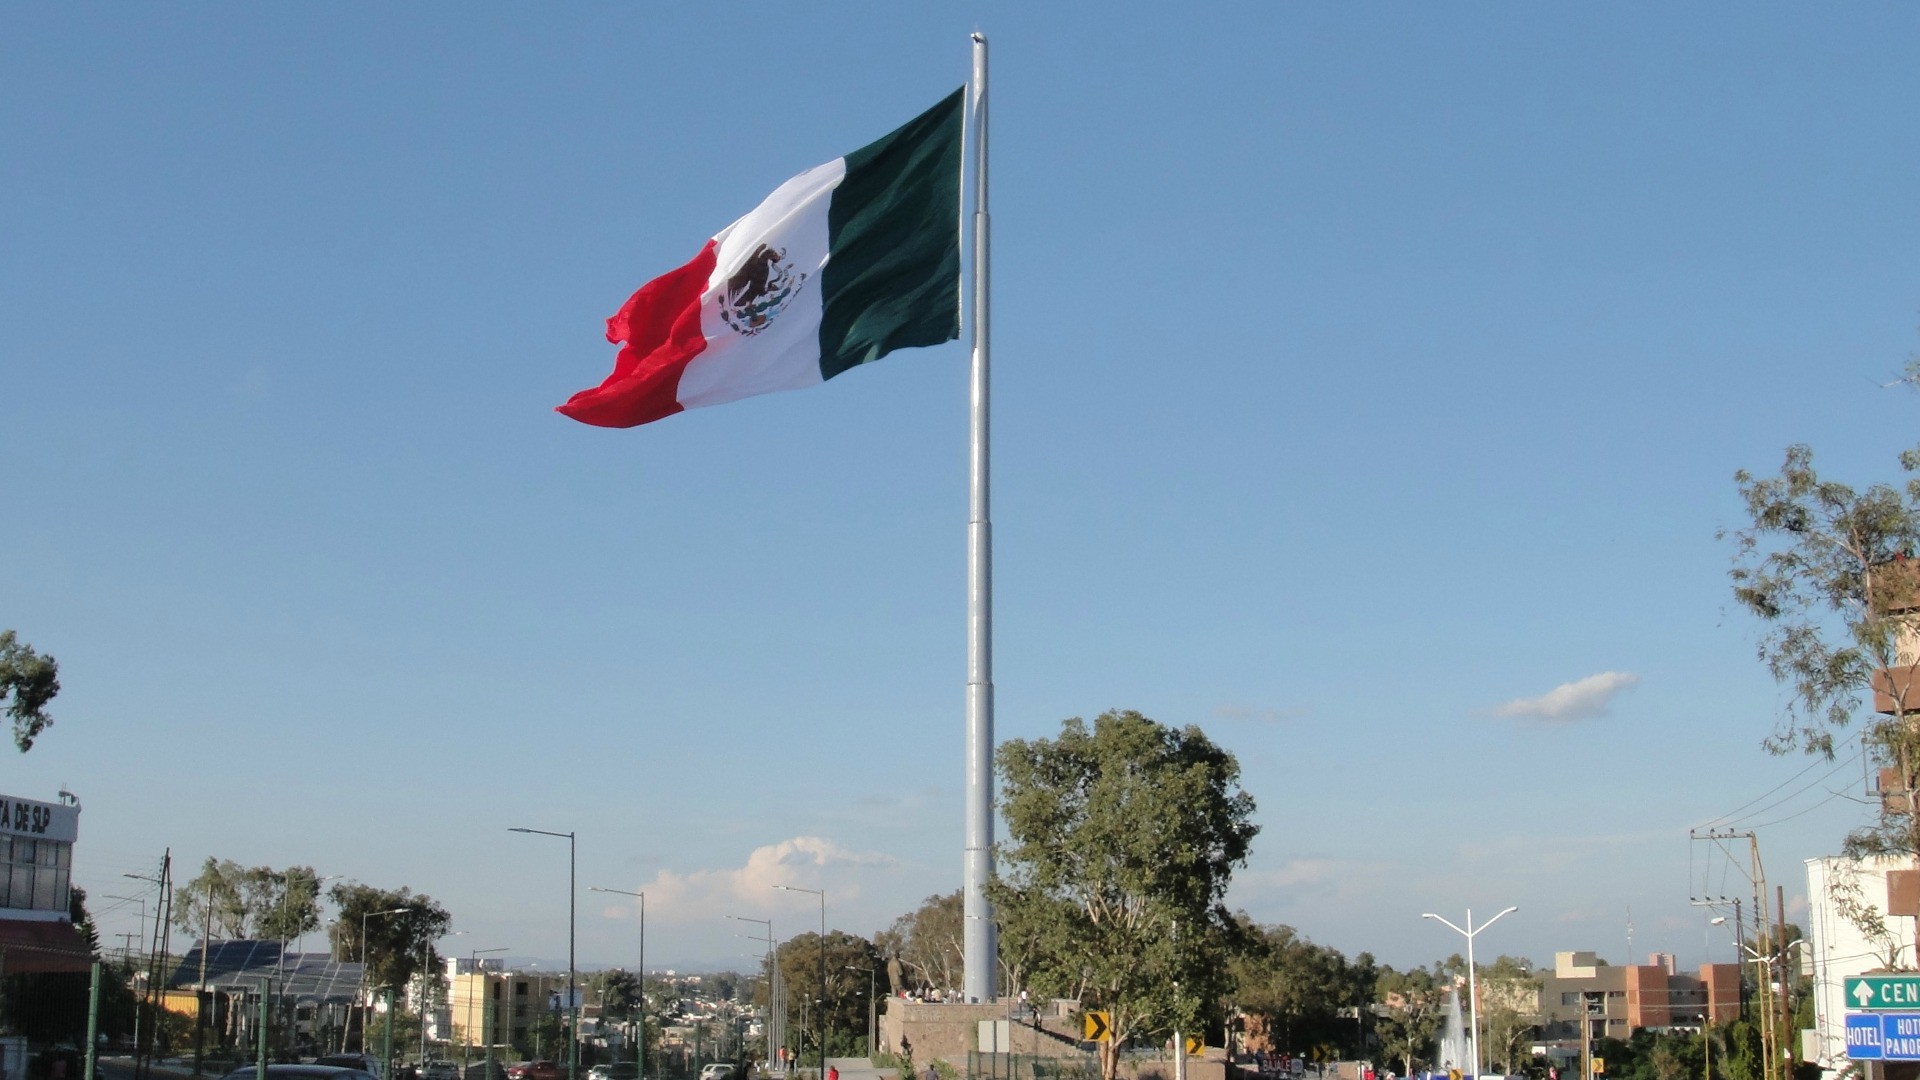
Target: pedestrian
{"points": [[932, 1073], [833, 1072]]}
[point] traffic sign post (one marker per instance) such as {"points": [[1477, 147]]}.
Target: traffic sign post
{"points": [[1882, 993]]}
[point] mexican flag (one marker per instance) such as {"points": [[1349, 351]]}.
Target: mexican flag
{"points": [[841, 265]]}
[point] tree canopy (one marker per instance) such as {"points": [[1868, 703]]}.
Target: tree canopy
{"points": [[1122, 839], [928, 944], [28, 680], [398, 945], [249, 901]]}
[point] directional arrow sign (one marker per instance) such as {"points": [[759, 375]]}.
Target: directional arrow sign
{"points": [[1099, 1027], [1883, 993]]}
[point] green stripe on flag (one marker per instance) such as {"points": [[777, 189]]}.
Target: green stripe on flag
{"points": [[892, 279]]}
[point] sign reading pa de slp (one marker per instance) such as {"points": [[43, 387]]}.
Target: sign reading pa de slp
{"points": [[1876, 993]]}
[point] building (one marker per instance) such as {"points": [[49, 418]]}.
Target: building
{"points": [[36, 888], [1584, 994], [1883, 896], [488, 1005]]}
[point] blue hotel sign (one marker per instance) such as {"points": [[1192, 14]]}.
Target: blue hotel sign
{"points": [[1883, 1036]]}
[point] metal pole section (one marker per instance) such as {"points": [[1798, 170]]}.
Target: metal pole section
{"points": [[573, 995], [93, 1025], [980, 948], [260, 1053], [386, 1038]]}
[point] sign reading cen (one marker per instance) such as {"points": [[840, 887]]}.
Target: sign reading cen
{"points": [[1877, 993]]}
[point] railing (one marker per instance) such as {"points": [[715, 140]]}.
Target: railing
{"points": [[1031, 1067]]}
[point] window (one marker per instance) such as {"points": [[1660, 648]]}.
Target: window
{"points": [[34, 874], [1569, 997], [1616, 993]]}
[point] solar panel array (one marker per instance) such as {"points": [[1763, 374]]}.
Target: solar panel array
{"points": [[246, 965]]}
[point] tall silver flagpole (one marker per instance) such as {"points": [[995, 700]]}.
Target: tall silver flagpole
{"points": [[980, 948]]}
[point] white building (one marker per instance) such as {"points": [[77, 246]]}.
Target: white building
{"points": [[36, 879], [1837, 946]]}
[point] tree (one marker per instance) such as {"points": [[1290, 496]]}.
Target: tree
{"points": [[249, 902], [1301, 993], [1509, 1001], [1831, 574], [929, 943], [397, 946], [30, 680], [1408, 1015], [843, 1023], [1122, 839]]}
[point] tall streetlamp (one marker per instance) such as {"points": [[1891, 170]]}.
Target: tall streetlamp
{"points": [[776, 1023], [473, 968], [573, 995], [825, 1022], [873, 1007], [640, 1041], [1473, 985], [364, 1003]]}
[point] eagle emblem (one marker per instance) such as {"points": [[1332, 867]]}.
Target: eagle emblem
{"points": [[762, 288]]}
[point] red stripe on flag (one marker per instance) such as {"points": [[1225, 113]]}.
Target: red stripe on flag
{"points": [[660, 325]]}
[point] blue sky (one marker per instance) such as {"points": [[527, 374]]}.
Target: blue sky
{"points": [[1360, 370]]}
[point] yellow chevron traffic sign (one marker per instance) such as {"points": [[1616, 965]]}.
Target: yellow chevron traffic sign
{"points": [[1195, 1047], [1099, 1027]]}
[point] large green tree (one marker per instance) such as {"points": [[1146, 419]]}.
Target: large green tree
{"points": [[1408, 1015], [397, 946], [28, 680], [1830, 572], [1122, 837], [842, 1026]]}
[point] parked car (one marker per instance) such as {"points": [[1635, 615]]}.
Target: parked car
{"points": [[366, 1063], [534, 1070], [439, 1069], [718, 1070], [619, 1070], [300, 1072], [486, 1070]]}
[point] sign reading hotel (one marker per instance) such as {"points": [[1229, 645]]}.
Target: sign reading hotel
{"points": [[1883, 1036], [30, 819]]}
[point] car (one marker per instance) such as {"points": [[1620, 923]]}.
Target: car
{"points": [[300, 1072], [485, 1070], [439, 1069], [619, 1070], [718, 1070], [366, 1063], [533, 1070]]}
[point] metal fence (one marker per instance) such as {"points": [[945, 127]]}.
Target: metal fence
{"points": [[1031, 1067]]}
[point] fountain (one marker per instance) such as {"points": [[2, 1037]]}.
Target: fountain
{"points": [[1453, 1050]]}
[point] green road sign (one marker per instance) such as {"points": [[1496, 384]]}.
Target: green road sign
{"points": [[1871, 993]]}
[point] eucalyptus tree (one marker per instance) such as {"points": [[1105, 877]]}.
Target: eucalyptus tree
{"points": [[1830, 571], [1122, 838]]}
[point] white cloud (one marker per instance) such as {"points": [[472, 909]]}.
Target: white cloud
{"points": [[749, 889], [1568, 702]]}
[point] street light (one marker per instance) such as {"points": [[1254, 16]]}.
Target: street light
{"points": [[639, 1043], [1473, 985], [776, 1008], [364, 1003], [573, 995], [824, 1019], [473, 968], [873, 1007]]}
